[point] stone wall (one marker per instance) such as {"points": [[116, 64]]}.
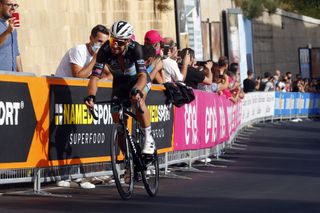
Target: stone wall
{"points": [[50, 27], [277, 38]]}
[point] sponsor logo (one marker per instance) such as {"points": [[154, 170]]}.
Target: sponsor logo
{"points": [[222, 122], [9, 113], [211, 125], [160, 113], [190, 118], [86, 138], [71, 114]]}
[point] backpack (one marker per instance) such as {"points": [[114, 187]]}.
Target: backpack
{"points": [[178, 93]]}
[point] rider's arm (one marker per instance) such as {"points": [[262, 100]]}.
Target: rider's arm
{"points": [[141, 69], [94, 78], [93, 85]]}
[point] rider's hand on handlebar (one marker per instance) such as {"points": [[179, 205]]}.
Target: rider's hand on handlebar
{"points": [[136, 94], [89, 101]]}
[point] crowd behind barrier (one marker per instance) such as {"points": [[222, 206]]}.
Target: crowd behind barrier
{"points": [[47, 110]]}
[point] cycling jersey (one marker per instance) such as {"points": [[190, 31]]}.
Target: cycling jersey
{"points": [[125, 68]]}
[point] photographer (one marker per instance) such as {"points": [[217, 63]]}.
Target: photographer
{"points": [[194, 75]]}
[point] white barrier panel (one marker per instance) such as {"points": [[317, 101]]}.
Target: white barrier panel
{"points": [[257, 105]]}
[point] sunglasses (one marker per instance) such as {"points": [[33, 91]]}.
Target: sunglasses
{"points": [[14, 6], [120, 43]]}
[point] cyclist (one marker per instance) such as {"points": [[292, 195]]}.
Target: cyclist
{"points": [[124, 57]]}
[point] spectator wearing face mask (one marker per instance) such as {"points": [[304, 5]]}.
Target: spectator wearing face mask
{"points": [[152, 40], [79, 60], [153, 64]]}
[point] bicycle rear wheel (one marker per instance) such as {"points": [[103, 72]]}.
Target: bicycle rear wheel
{"points": [[122, 164], [150, 176]]}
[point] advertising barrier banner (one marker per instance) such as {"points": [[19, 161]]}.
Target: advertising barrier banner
{"points": [[205, 122], [186, 126], [296, 104], [17, 121], [258, 105], [161, 117], [73, 131]]}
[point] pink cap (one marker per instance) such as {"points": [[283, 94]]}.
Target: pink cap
{"points": [[133, 37], [152, 37]]}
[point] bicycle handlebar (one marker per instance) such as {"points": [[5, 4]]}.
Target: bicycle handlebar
{"points": [[120, 103]]}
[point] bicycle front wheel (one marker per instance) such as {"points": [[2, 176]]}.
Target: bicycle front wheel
{"points": [[150, 176], [122, 163]]}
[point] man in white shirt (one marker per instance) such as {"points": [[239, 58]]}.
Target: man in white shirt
{"points": [[171, 69], [79, 60]]}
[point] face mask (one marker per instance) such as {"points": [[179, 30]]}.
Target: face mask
{"points": [[95, 47]]}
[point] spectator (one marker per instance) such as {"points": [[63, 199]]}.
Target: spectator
{"points": [[264, 80], [219, 83], [235, 88], [270, 84], [277, 73], [171, 69], [79, 60], [214, 86], [223, 64], [153, 64], [249, 85], [9, 49], [281, 85], [195, 76], [298, 86], [289, 82], [152, 39], [309, 86]]}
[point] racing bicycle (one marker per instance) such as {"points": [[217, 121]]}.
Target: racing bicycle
{"points": [[126, 156]]}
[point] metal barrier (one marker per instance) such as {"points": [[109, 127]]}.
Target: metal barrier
{"points": [[51, 174]]}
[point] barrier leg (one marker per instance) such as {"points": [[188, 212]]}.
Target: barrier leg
{"points": [[36, 188], [190, 168], [168, 174]]}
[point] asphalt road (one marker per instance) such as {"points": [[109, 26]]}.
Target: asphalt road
{"points": [[271, 168]]}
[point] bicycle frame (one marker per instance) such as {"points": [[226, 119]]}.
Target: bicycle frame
{"points": [[124, 113]]}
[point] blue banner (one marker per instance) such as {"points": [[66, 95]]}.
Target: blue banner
{"points": [[289, 104]]}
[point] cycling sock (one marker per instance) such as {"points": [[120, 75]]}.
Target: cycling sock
{"points": [[147, 131]]}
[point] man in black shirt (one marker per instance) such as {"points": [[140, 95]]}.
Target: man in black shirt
{"points": [[195, 76], [249, 85]]}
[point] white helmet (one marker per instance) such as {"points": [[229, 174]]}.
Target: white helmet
{"points": [[121, 30]]}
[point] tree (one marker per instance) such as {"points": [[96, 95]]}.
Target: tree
{"points": [[254, 8]]}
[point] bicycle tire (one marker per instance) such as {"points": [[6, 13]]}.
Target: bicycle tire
{"points": [[119, 165], [150, 176]]}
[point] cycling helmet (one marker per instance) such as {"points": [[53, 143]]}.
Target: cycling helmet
{"points": [[121, 30]]}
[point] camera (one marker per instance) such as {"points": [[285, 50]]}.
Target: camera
{"points": [[201, 63]]}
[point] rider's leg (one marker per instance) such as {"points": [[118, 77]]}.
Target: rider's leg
{"points": [[144, 120]]}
